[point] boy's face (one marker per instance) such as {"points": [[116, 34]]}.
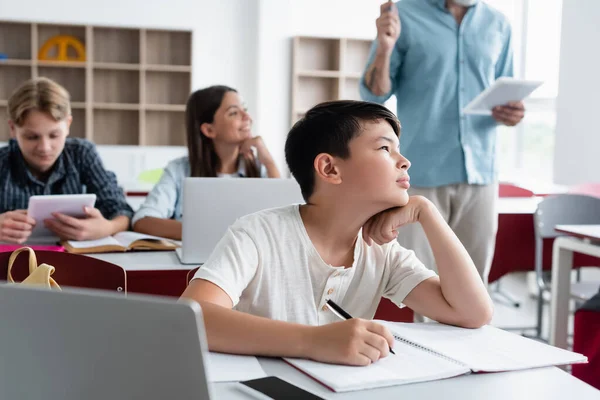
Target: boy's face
{"points": [[376, 172], [41, 139]]}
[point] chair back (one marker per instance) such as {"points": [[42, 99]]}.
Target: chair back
{"points": [[71, 270], [509, 190], [565, 209]]}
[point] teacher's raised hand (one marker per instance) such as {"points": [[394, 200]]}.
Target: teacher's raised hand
{"points": [[388, 26]]}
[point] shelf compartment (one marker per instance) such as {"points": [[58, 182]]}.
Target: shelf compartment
{"points": [[165, 128], [15, 40], [78, 125], [317, 54], [117, 45], [167, 87], [47, 31], [168, 47], [116, 86], [356, 56], [12, 77], [72, 79], [116, 127], [312, 91]]}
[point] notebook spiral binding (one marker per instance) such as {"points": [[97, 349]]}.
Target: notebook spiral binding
{"points": [[418, 346]]}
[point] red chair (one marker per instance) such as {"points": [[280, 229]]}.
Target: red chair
{"points": [[389, 311], [506, 189], [386, 310], [586, 340], [70, 270]]}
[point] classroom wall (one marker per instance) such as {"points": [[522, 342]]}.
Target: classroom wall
{"points": [[246, 44], [223, 31], [576, 157], [224, 50], [279, 22]]}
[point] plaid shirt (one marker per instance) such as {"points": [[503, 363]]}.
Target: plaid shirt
{"points": [[77, 170]]}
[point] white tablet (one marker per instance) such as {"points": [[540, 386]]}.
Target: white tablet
{"points": [[501, 92], [42, 207]]}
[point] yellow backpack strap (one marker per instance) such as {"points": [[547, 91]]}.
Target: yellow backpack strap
{"points": [[13, 257], [41, 277]]}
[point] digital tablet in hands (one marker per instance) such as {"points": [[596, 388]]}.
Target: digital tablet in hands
{"points": [[502, 91], [42, 207]]}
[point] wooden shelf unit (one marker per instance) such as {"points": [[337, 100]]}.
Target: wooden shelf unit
{"points": [[130, 90], [325, 69]]}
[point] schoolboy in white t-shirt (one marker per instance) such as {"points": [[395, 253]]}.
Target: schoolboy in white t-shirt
{"points": [[263, 289]]}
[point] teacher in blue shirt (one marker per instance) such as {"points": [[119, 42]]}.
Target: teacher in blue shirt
{"points": [[435, 56]]}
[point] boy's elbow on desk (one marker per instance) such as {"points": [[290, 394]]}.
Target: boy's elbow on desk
{"points": [[478, 316]]}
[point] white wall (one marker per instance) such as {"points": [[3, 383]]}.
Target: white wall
{"points": [[246, 44], [279, 22], [577, 143]]}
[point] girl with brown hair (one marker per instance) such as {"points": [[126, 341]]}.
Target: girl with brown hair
{"points": [[220, 144]]}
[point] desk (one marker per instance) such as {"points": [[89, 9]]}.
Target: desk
{"points": [[584, 239], [517, 205], [151, 272], [542, 383]]}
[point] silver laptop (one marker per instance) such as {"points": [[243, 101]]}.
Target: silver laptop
{"points": [[77, 344], [211, 205]]}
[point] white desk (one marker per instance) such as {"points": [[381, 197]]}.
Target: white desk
{"points": [[517, 205], [543, 383], [145, 260], [583, 239]]}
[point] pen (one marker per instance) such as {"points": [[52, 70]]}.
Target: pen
{"points": [[339, 311]]}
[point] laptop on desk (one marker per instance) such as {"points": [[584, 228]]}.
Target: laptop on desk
{"points": [[211, 205], [78, 344]]}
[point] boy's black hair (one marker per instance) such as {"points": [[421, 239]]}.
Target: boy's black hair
{"points": [[328, 128]]}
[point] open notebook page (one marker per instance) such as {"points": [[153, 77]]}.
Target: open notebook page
{"points": [[126, 238], [84, 244], [485, 349], [408, 365]]}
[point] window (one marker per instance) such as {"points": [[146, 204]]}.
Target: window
{"points": [[525, 153]]}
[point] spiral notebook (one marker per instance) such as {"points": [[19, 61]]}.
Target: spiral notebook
{"points": [[431, 351]]}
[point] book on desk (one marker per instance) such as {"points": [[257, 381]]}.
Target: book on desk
{"points": [[432, 351], [120, 242]]}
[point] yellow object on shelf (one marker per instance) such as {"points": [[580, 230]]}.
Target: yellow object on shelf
{"points": [[62, 43]]}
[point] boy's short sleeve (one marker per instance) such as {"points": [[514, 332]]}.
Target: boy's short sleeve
{"points": [[406, 271], [232, 264]]}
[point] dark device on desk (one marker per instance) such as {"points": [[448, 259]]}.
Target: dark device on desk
{"points": [[278, 389]]}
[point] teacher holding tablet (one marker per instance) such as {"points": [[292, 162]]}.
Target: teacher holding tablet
{"points": [[41, 160], [436, 56]]}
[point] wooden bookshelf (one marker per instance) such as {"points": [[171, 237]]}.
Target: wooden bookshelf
{"points": [[326, 69], [130, 90]]}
